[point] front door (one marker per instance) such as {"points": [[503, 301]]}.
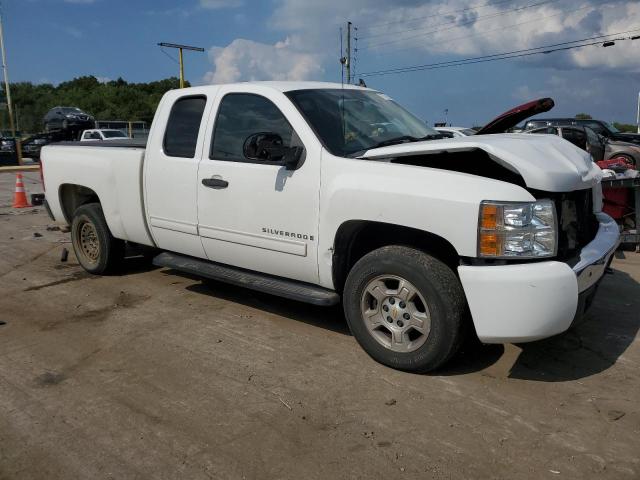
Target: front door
{"points": [[256, 214]]}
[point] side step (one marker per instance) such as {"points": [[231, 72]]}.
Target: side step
{"points": [[292, 289]]}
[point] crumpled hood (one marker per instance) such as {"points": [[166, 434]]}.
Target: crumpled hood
{"points": [[545, 162]]}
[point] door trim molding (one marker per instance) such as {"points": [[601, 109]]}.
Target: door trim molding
{"points": [[175, 225], [264, 242]]}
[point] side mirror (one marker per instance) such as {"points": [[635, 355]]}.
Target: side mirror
{"points": [[268, 147]]}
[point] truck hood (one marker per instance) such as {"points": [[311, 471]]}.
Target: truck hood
{"points": [[512, 117], [545, 162]]}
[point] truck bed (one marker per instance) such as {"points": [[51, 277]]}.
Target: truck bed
{"points": [[113, 170]]}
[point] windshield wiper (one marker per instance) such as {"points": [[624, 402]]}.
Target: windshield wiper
{"points": [[395, 141], [406, 139]]}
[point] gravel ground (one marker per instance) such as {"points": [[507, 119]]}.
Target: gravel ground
{"points": [[153, 374]]}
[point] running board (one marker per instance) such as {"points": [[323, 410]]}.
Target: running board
{"points": [[282, 287]]}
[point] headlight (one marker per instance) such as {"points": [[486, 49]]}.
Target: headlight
{"points": [[521, 230], [70, 116]]}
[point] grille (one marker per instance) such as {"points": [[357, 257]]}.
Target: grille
{"points": [[577, 224]]}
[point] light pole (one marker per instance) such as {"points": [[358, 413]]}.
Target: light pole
{"points": [[12, 124], [180, 49], [638, 115]]}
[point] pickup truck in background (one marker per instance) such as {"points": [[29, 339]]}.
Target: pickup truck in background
{"points": [[324, 193], [102, 134]]}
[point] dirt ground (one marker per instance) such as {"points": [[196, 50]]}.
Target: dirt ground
{"points": [[153, 374]]}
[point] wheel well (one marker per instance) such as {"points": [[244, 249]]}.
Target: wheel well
{"points": [[356, 238], [625, 155], [73, 196]]}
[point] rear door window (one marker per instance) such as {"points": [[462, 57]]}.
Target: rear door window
{"points": [[183, 126]]}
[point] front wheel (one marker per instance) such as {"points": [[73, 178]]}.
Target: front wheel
{"points": [[97, 251], [405, 308]]}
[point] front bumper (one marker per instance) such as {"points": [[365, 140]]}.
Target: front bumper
{"points": [[529, 301]]}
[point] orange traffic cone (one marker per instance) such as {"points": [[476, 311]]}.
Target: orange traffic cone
{"points": [[20, 199]]}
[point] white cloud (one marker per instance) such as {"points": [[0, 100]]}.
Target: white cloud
{"points": [[453, 28], [216, 4], [245, 60]]}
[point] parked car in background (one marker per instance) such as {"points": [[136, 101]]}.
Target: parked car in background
{"points": [[581, 137], [67, 118], [8, 151], [600, 148], [31, 146], [600, 127], [102, 134], [627, 150], [455, 132]]}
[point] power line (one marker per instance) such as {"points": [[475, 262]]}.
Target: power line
{"points": [[492, 15], [499, 29], [490, 4], [169, 55], [545, 49]]}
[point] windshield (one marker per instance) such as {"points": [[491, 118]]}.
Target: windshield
{"points": [[70, 110], [351, 121], [113, 134], [611, 127]]}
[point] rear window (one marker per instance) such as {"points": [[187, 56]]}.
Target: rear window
{"points": [[535, 124], [183, 127], [113, 134]]}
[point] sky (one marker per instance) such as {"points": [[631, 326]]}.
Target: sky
{"points": [[56, 40]]}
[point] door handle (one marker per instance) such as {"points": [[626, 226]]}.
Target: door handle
{"points": [[216, 183]]}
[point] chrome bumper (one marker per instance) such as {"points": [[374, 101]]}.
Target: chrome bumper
{"points": [[595, 256]]}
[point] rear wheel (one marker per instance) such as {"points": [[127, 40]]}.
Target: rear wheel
{"points": [[405, 308], [96, 249]]}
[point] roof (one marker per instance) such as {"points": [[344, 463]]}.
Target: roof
{"points": [[286, 86], [563, 119]]}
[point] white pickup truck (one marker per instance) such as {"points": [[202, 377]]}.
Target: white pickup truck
{"points": [[324, 193]]}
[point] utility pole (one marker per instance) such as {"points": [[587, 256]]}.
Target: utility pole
{"points": [[181, 61], [348, 62], [638, 115], [12, 124]]}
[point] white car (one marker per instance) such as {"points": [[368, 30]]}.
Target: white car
{"points": [[102, 134], [456, 132], [324, 193]]}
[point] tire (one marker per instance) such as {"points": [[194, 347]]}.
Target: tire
{"points": [[97, 251], [437, 307]]}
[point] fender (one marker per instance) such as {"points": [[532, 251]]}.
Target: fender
{"points": [[443, 203]]}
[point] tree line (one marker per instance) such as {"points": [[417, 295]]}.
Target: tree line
{"points": [[112, 100]]}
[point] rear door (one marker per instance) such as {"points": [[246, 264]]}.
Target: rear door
{"points": [[171, 172], [260, 216]]}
